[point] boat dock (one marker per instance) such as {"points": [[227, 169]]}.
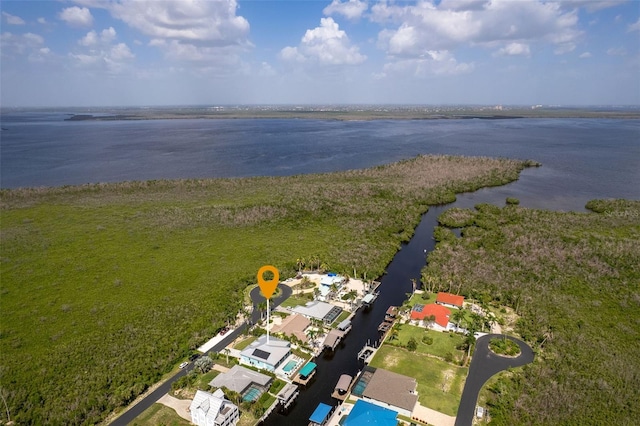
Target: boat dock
{"points": [[333, 339], [342, 388], [369, 298], [366, 353], [287, 396], [305, 374]]}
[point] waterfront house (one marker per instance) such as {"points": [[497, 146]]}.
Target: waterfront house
{"points": [[366, 413], [266, 355], [248, 383], [294, 325], [450, 300], [387, 389], [438, 313], [212, 409], [325, 312]]}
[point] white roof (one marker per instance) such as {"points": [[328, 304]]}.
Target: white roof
{"points": [[239, 378], [315, 309], [328, 280], [207, 402], [271, 353]]}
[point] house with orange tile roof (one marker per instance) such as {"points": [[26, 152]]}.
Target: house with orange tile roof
{"points": [[450, 300], [439, 313]]}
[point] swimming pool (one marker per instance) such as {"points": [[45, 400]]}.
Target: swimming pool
{"points": [[289, 366], [252, 394], [362, 383]]}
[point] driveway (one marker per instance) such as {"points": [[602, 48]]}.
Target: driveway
{"points": [[257, 298], [485, 364]]}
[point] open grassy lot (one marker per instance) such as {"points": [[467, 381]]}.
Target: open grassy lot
{"points": [[443, 343], [159, 414], [439, 383], [574, 280], [244, 343], [107, 287], [294, 301]]}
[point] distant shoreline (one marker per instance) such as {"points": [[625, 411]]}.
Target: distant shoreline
{"points": [[346, 114]]}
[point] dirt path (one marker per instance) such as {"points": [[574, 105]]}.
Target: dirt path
{"points": [[181, 406], [432, 417]]}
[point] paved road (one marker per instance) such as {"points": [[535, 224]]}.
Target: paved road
{"points": [[485, 364], [256, 297]]}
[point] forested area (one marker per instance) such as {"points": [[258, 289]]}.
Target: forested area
{"points": [[574, 280]]}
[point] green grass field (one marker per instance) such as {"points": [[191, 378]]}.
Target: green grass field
{"points": [[159, 414], [443, 343], [107, 287], [439, 383]]}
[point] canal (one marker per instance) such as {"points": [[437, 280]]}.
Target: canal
{"points": [[395, 284]]}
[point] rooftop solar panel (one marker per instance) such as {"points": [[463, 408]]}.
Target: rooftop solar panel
{"points": [[261, 354]]}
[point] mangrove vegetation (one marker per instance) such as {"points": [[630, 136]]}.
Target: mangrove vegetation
{"points": [[107, 287], [574, 280]]}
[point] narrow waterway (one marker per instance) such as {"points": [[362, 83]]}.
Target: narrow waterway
{"points": [[395, 284]]}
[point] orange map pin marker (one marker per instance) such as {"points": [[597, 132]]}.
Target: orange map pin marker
{"points": [[268, 287]]}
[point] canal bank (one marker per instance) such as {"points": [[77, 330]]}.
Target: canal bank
{"points": [[395, 284]]}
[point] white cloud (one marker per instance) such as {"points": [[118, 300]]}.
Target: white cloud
{"points": [[514, 49], [326, 45], [76, 16], [209, 22], [451, 24], [12, 20], [20, 43], [350, 9], [112, 59], [634, 27], [209, 34], [432, 63], [585, 55], [42, 21], [92, 39]]}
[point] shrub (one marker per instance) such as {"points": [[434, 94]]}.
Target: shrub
{"points": [[512, 201], [412, 344]]}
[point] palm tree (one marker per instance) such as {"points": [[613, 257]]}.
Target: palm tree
{"points": [[394, 333], [226, 352], [262, 307], [457, 316], [351, 296]]}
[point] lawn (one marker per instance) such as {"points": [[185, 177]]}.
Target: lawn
{"points": [[421, 299], [242, 345], [203, 380], [159, 414], [294, 300], [439, 383], [443, 343], [343, 316]]}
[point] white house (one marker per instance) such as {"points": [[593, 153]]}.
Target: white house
{"points": [[212, 409], [319, 310], [267, 356]]}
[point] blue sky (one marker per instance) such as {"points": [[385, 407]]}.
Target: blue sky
{"points": [[176, 52]]}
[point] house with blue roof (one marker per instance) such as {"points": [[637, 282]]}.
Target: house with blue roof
{"points": [[365, 413]]}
